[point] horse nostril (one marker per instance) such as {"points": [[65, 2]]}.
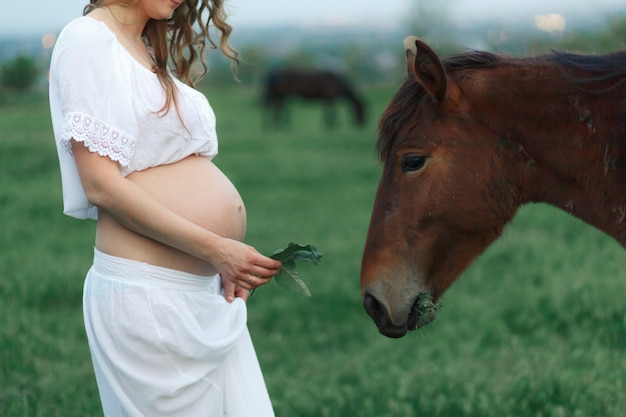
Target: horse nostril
{"points": [[375, 309], [379, 313]]}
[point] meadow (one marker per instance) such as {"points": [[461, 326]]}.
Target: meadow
{"points": [[535, 328]]}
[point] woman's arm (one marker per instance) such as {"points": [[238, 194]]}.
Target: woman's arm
{"points": [[137, 210]]}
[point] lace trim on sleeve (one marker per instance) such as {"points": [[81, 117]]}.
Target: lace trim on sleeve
{"points": [[98, 137]]}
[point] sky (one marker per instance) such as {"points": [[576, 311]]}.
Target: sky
{"points": [[27, 17]]}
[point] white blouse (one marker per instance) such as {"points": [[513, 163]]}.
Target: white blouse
{"points": [[101, 96]]}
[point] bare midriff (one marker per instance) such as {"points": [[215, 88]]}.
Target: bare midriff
{"points": [[195, 189]]}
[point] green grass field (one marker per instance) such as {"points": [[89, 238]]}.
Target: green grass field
{"points": [[535, 328]]}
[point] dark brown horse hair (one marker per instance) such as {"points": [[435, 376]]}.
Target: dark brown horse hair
{"points": [[588, 73]]}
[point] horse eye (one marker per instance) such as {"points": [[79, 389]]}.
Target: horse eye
{"points": [[413, 162]]}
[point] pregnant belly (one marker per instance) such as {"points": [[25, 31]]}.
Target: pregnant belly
{"points": [[197, 190], [193, 188]]}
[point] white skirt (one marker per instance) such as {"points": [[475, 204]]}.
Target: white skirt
{"points": [[167, 343]]}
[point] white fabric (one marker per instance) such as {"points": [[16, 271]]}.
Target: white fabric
{"points": [[166, 343], [101, 96]]}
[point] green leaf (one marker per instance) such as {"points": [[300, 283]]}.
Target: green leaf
{"points": [[306, 253], [288, 277], [290, 280]]}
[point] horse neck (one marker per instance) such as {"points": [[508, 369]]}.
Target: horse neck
{"points": [[352, 98], [355, 101], [569, 146]]}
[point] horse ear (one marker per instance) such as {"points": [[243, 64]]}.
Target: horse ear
{"points": [[426, 67]]}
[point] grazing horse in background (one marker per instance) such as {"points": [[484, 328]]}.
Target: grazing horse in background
{"points": [[324, 86], [467, 141]]}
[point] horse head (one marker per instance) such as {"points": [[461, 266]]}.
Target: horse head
{"points": [[430, 218]]}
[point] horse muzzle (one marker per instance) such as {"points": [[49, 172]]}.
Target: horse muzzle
{"points": [[394, 317], [379, 313]]}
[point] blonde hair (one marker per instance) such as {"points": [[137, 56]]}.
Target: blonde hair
{"points": [[182, 40]]}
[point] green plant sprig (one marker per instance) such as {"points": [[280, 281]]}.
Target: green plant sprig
{"points": [[426, 308], [288, 277]]}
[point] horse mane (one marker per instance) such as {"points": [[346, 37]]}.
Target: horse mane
{"points": [[585, 72], [597, 68]]}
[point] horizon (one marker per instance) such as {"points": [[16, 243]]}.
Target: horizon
{"points": [[250, 14]]}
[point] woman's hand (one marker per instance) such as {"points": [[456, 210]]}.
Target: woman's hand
{"points": [[242, 268], [232, 291]]}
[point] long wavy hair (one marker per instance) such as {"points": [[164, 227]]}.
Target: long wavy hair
{"points": [[180, 41]]}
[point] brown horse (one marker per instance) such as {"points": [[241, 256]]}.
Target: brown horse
{"points": [[467, 141], [327, 87]]}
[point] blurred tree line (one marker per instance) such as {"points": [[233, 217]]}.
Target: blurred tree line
{"points": [[18, 76], [430, 21], [366, 56], [370, 60]]}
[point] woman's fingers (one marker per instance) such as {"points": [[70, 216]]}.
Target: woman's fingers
{"points": [[229, 290], [253, 281], [242, 293], [244, 267], [232, 291]]}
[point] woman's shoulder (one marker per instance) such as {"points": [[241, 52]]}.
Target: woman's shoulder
{"points": [[87, 32]]}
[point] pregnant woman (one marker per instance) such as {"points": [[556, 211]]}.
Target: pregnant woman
{"points": [[164, 301]]}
